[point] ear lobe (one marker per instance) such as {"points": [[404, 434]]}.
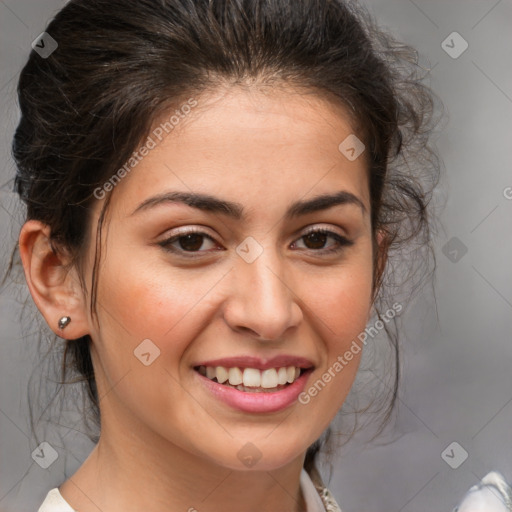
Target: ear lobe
{"points": [[52, 281]]}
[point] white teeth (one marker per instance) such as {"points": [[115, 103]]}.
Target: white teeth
{"points": [[235, 376], [222, 374], [282, 376], [268, 378], [252, 377]]}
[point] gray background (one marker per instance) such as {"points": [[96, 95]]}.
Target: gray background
{"points": [[457, 383]]}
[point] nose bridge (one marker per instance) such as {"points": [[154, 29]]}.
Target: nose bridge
{"points": [[262, 300]]}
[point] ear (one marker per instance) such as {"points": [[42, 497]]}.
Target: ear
{"points": [[383, 243], [381, 258], [52, 281]]}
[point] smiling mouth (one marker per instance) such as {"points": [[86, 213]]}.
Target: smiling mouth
{"points": [[252, 380]]}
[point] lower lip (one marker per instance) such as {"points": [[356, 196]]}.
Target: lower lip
{"points": [[256, 402]]}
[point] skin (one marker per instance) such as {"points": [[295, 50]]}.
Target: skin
{"points": [[166, 443]]}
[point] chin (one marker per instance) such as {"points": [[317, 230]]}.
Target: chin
{"points": [[258, 455]]}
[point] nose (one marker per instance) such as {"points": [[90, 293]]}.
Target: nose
{"points": [[262, 298]]}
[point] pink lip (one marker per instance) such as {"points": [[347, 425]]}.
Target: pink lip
{"points": [[256, 402], [258, 363]]}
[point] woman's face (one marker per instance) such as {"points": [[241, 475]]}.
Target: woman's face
{"points": [[249, 287]]}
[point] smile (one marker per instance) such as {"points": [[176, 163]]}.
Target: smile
{"points": [[252, 380], [254, 398]]}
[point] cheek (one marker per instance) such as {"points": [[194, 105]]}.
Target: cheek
{"points": [[340, 314], [341, 301], [340, 306], [139, 301], [150, 304]]}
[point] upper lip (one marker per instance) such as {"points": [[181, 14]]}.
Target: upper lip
{"points": [[258, 363]]}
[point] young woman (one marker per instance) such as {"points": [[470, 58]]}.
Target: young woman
{"points": [[216, 192]]}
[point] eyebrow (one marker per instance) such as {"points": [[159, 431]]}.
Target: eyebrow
{"points": [[234, 210]]}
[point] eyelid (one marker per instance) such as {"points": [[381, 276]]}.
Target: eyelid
{"points": [[321, 227], [184, 230]]}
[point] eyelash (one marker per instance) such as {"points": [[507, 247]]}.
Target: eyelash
{"points": [[341, 241]]}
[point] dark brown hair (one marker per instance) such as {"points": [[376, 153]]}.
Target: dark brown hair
{"points": [[122, 63]]}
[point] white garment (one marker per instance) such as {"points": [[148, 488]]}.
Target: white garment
{"points": [[311, 496], [54, 501], [491, 494]]}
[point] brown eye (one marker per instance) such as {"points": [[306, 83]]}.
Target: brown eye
{"points": [[315, 240], [191, 242]]}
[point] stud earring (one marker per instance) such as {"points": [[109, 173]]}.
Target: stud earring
{"points": [[64, 321]]}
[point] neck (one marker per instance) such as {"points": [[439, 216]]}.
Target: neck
{"points": [[134, 470]]}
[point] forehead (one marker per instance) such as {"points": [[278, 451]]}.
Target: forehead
{"points": [[253, 146]]}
